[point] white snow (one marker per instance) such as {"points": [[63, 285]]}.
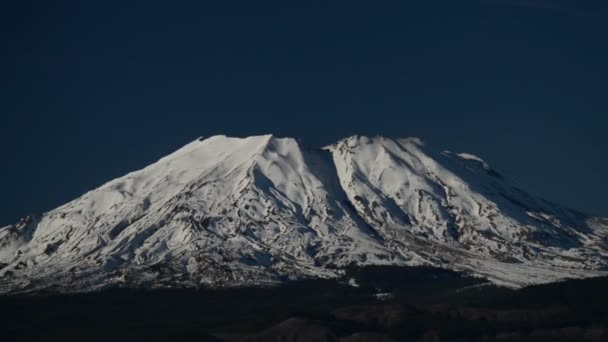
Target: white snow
{"points": [[468, 156], [229, 211]]}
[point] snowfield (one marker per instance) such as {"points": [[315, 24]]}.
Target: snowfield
{"points": [[226, 211]]}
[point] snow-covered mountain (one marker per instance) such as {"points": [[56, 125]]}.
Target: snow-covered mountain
{"points": [[229, 211]]}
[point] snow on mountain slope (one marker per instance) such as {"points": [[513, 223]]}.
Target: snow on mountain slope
{"points": [[233, 211], [462, 208]]}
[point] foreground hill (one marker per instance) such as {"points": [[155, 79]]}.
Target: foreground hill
{"points": [[391, 304]]}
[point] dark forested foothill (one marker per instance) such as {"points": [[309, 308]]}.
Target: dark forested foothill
{"points": [[389, 304]]}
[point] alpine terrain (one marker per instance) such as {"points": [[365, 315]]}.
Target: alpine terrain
{"points": [[226, 212]]}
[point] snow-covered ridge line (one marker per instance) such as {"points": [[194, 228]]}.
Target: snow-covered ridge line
{"points": [[225, 211]]}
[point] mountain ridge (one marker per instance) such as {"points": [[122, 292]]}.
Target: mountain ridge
{"points": [[225, 211]]}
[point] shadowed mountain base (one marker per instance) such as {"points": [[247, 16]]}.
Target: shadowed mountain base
{"points": [[390, 304]]}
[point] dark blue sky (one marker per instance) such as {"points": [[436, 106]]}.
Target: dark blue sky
{"points": [[91, 90]]}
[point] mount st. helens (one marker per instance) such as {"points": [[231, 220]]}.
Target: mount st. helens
{"points": [[229, 211]]}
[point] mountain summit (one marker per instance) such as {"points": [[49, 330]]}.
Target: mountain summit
{"points": [[226, 211]]}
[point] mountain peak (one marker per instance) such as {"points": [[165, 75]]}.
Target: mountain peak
{"points": [[229, 211], [363, 139]]}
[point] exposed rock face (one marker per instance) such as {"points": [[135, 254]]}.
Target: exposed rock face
{"points": [[239, 211]]}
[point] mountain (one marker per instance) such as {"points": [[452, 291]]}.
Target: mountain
{"points": [[226, 211]]}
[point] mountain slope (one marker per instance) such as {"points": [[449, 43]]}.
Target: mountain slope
{"points": [[234, 211]]}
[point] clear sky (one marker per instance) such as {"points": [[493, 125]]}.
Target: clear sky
{"points": [[91, 90]]}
